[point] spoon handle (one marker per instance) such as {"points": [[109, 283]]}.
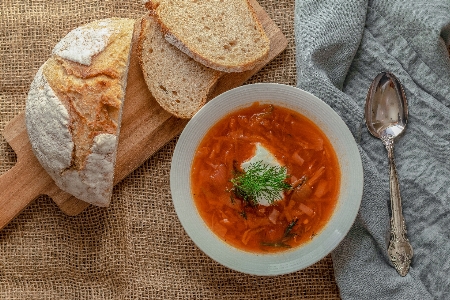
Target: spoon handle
{"points": [[400, 250]]}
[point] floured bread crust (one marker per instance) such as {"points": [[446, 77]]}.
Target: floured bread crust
{"points": [[81, 44], [74, 108], [54, 132]]}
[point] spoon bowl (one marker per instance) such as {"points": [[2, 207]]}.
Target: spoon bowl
{"points": [[386, 114], [386, 108]]}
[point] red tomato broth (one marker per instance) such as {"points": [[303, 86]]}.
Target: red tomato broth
{"points": [[299, 145]]}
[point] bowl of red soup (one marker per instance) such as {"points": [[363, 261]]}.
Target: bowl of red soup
{"points": [[266, 179]]}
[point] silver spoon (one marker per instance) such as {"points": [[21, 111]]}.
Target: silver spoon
{"points": [[386, 114]]}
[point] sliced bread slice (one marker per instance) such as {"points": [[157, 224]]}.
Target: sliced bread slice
{"points": [[178, 83], [74, 107], [225, 35]]}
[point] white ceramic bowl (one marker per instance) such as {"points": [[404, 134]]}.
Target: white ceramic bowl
{"points": [[350, 190]]}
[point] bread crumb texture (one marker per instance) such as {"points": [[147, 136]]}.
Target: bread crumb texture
{"points": [[74, 108], [178, 83], [222, 34]]}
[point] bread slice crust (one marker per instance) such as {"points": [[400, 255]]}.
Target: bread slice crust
{"points": [[179, 84], [225, 35]]}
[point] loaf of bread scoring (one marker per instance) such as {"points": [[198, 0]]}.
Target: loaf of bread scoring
{"points": [[224, 35], [74, 108], [179, 84]]}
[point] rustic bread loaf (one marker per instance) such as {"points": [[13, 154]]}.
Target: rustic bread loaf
{"points": [[178, 83], [74, 107], [223, 34]]}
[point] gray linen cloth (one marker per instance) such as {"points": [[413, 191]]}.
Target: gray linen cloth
{"points": [[341, 46]]}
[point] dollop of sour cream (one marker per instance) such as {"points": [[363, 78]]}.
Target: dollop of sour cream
{"points": [[267, 158]]}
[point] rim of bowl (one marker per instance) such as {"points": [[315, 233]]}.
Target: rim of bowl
{"points": [[350, 193]]}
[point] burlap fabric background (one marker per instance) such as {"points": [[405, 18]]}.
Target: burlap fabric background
{"points": [[136, 248]]}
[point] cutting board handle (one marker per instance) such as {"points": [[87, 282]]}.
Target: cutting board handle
{"points": [[19, 186]]}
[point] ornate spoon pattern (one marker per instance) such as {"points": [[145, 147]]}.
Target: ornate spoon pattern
{"points": [[386, 114]]}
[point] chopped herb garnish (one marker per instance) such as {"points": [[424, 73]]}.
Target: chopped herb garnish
{"points": [[286, 236], [287, 232], [243, 214], [259, 181]]}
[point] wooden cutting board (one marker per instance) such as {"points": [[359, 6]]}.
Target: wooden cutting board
{"points": [[146, 127]]}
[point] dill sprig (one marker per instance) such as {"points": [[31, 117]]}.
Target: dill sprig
{"points": [[260, 181]]}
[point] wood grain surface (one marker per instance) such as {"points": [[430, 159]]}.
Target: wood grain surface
{"points": [[146, 127]]}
